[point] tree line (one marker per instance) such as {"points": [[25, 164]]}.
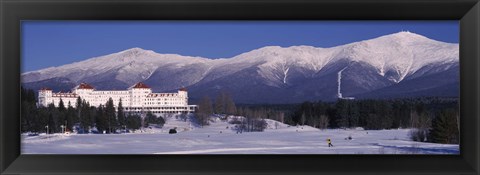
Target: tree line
{"points": [[253, 115], [432, 119], [82, 118], [223, 105]]}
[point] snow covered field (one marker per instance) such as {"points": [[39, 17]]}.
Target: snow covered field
{"points": [[218, 139]]}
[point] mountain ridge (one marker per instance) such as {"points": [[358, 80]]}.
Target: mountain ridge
{"points": [[382, 62]]}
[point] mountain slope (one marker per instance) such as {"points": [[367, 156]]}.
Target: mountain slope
{"points": [[438, 84], [273, 74]]}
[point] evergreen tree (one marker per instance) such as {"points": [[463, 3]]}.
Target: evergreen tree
{"points": [[101, 119], [353, 114], [70, 117], [110, 113], [152, 119], [53, 123], [134, 122], [61, 106], [373, 122], [78, 110], [86, 121], [444, 128], [26, 117], [93, 114], [121, 114], [149, 119], [28, 111], [342, 113], [62, 114]]}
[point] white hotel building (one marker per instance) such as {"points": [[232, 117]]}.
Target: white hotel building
{"points": [[137, 99]]}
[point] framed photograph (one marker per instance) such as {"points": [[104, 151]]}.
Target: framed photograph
{"points": [[395, 93], [240, 87]]}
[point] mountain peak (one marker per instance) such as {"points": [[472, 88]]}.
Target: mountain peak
{"points": [[399, 38], [136, 51], [406, 36], [269, 48]]}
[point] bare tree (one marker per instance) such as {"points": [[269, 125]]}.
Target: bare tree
{"points": [[302, 119], [281, 117], [458, 122], [230, 107], [183, 117], [420, 123], [220, 103], [414, 119], [204, 111], [323, 122]]}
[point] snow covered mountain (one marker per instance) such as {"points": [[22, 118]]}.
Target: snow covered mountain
{"points": [[396, 65]]}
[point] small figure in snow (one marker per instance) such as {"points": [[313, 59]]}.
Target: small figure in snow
{"points": [[173, 131], [329, 142]]}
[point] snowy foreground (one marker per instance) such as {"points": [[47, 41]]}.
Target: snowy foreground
{"points": [[217, 139]]}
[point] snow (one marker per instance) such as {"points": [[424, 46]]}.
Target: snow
{"points": [[339, 83], [402, 53], [218, 139], [129, 66]]}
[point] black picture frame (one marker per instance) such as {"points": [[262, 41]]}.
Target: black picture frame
{"points": [[14, 11]]}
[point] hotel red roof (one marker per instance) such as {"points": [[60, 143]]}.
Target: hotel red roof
{"points": [[45, 89], [84, 86], [141, 85], [183, 89]]}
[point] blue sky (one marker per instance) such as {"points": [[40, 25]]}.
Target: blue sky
{"points": [[55, 43]]}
